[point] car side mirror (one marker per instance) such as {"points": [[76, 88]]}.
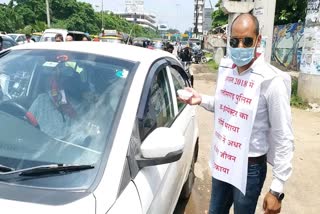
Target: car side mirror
{"points": [[162, 146], [1, 43]]}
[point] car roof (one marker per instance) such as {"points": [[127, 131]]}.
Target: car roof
{"points": [[16, 34], [57, 30], [121, 51], [6, 36], [110, 37], [37, 34]]}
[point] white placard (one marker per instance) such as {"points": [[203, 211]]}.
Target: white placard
{"points": [[236, 103]]}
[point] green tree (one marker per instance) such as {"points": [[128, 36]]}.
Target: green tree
{"points": [[219, 18], [11, 21], [173, 31], [27, 16], [290, 11]]}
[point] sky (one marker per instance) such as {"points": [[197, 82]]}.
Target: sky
{"points": [[176, 14]]}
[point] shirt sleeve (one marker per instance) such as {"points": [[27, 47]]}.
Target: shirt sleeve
{"points": [[207, 102], [281, 133]]}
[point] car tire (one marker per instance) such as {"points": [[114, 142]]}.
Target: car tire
{"points": [[204, 59], [188, 185]]}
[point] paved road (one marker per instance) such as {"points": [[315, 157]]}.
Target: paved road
{"points": [[303, 188]]}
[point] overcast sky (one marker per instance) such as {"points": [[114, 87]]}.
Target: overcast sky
{"points": [[175, 13]]}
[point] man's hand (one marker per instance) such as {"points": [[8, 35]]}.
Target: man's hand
{"points": [[195, 99], [271, 205]]}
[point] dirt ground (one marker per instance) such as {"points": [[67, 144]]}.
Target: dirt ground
{"points": [[302, 190]]}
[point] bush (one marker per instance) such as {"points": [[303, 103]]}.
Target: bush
{"points": [[213, 66], [297, 101]]}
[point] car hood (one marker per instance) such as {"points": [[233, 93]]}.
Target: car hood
{"points": [[46, 201]]}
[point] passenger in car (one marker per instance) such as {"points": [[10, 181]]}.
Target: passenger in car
{"points": [[58, 37], [57, 108]]}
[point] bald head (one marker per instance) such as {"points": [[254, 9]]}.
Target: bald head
{"points": [[246, 20]]}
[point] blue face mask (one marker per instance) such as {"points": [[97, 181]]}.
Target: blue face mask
{"points": [[242, 56]]}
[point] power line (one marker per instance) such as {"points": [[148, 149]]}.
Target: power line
{"points": [[211, 4]]}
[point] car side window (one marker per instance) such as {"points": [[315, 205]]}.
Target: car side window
{"points": [[7, 44], [179, 82], [20, 39], [159, 107]]}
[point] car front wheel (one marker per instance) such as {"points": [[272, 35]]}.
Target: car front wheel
{"points": [[187, 187]]}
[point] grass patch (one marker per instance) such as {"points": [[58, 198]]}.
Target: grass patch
{"points": [[213, 66], [208, 54], [297, 101]]}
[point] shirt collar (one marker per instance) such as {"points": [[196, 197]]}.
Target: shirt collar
{"points": [[258, 61]]}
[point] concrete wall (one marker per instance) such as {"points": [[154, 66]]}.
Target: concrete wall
{"points": [[287, 46], [212, 41], [309, 87], [309, 78]]}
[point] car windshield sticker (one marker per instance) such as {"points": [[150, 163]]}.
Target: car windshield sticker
{"points": [[122, 73], [50, 64]]}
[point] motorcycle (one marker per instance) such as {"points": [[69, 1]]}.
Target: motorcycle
{"points": [[198, 56], [186, 67]]}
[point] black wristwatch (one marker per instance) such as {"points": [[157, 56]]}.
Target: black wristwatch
{"points": [[278, 195]]}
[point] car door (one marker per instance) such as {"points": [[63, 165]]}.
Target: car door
{"points": [[19, 40], [7, 43], [159, 186], [186, 117]]}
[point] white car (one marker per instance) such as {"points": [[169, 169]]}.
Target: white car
{"points": [[49, 35], [94, 128], [18, 38]]}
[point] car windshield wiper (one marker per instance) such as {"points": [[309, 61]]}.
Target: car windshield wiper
{"points": [[4, 168], [42, 170], [53, 169]]}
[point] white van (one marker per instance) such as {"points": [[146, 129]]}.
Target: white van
{"points": [[49, 35]]}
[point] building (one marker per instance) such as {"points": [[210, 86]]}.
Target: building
{"points": [[135, 13], [207, 24], [198, 18]]}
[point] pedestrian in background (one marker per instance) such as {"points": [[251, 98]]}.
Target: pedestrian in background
{"points": [[69, 38], [248, 84], [58, 37], [84, 38], [29, 40]]}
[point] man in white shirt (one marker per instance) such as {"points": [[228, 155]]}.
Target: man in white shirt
{"points": [[271, 135]]}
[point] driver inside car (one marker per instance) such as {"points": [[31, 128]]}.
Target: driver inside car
{"points": [[57, 109]]}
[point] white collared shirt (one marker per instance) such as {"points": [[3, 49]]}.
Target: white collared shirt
{"points": [[272, 128]]}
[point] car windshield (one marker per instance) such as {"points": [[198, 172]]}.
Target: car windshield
{"points": [[58, 107], [36, 38], [111, 40], [48, 37], [13, 36], [158, 45]]}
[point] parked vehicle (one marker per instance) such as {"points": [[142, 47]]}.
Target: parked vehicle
{"points": [[112, 39], [36, 36], [6, 42], [194, 41], [49, 35], [184, 44], [186, 67], [90, 131], [198, 56], [18, 38]]}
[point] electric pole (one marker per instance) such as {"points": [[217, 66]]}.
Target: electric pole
{"points": [[48, 13], [196, 24], [102, 25]]}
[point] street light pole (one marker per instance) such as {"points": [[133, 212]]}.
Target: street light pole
{"points": [[102, 24], [48, 13], [197, 15]]}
